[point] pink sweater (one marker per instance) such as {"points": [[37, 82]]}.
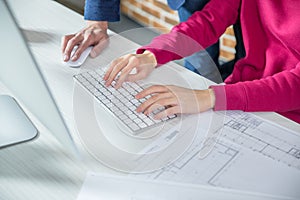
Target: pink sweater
{"points": [[268, 78]]}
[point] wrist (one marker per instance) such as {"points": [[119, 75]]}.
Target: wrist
{"points": [[205, 99], [150, 57], [103, 25], [212, 98]]}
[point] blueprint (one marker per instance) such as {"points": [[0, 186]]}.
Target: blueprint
{"points": [[249, 153]]}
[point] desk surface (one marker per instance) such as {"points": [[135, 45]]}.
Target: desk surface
{"points": [[42, 169]]}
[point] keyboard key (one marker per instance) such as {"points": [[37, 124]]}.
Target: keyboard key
{"points": [[110, 105], [142, 115], [129, 104], [165, 118], [172, 116], [128, 112], [127, 121], [142, 100], [124, 109], [123, 117], [133, 126], [132, 108], [139, 89], [119, 105], [134, 101], [101, 97], [137, 120], [148, 121], [132, 116], [105, 101], [142, 125]]}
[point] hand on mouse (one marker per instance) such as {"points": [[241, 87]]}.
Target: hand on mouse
{"points": [[95, 34]]}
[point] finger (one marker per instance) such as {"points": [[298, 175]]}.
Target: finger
{"points": [[151, 90], [151, 101], [85, 44], [111, 67], [167, 112], [115, 71], [64, 41], [165, 102], [70, 45], [132, 63], [98, 48]]}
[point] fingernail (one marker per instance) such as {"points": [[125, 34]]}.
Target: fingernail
{"points": [[74, 57], [93, 54], [66, 57]]}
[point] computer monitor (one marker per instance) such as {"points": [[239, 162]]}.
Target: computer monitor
{"points": [[20, 73]]}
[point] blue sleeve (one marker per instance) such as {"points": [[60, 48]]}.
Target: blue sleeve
{"points": [[191, 5], [175, 4], [102, 10]]}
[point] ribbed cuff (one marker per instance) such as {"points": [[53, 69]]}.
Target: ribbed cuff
{"points": [[230, 97], [220, 94]]}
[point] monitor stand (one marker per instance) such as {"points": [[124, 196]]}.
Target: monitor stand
{"points": [[15, 126]]}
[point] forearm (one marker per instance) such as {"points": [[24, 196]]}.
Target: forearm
{"points": [[279, 93], [102, 10]]}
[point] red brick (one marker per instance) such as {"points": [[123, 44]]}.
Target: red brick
{"points": [[228, 42], [163, 6], [124, 9], [140, 18], [171, 21], [151, 11], [134, 3], [229, 31], [160, 27], [226, 54]]}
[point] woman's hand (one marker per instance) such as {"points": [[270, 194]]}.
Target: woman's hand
{"points": [[95, 34], [176, 100], [121, 68]]}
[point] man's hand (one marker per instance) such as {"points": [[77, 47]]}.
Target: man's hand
{"points": [[95, 34]]}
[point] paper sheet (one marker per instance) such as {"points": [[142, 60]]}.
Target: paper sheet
{"points": [[250, 154], [99, 186]]}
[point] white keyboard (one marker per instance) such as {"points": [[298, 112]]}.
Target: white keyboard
{"points": [[121, 102]]}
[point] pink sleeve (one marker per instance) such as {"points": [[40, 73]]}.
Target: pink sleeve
{"points": [[279, 93], [202, 29]]}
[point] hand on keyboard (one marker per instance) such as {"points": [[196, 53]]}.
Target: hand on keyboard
{"points": [[123, 66], [175, 99], [139, 108]]}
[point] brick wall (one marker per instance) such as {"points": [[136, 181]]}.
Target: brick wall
{"points": [[156, 13]]}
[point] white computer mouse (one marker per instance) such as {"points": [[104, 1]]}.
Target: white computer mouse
{"points": [[81, 59]]}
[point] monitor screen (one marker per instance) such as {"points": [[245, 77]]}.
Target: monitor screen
{"points": [[20, 73]]}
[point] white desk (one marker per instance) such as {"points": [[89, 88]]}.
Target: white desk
{"points": [[41, 169]]}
